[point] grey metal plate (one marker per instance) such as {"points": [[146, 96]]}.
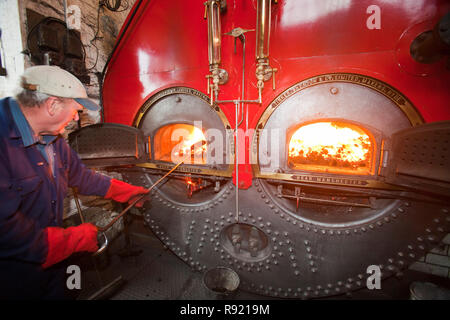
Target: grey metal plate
{"points": [[109, 144], [420, 158]]}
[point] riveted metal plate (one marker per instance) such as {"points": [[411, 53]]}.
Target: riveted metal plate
{"points": [[303, 257], [420, 158]]}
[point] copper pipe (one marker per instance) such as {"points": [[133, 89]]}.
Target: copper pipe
{"points": [[263, 9], [214, 35]]}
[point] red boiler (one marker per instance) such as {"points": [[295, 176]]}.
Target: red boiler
{"points": [[313, 135]]}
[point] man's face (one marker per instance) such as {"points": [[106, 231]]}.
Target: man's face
{"points": [[64, 110]]}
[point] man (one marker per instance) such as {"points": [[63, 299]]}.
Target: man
{"points": [[36, 168]]}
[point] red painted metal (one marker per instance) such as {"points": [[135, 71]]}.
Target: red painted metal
{"points": [[166, 45]]}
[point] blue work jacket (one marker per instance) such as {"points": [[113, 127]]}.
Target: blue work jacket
{"points": [[31, 197]]}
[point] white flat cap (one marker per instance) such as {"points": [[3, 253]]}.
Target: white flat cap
{"points": [[54, 81]]}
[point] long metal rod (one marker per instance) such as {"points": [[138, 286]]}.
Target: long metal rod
{"points": [[112, 222], [237, 101], [236, 147], [243, 77], [77, 202]]}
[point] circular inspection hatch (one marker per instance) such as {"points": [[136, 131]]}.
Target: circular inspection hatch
{"points": [[245, 241]]}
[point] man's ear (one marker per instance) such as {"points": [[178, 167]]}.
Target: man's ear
{"points": [[51, 105]]}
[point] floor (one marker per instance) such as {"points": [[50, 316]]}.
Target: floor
{"points": [[139, 267]]}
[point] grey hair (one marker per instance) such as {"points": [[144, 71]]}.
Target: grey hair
{"points": [[28, 98]]}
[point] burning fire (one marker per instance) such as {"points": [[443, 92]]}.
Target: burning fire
{"points": [[331, 144], [190, 144], [175, 142]]}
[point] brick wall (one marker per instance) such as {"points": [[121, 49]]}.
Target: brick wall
{"points": [[99, 29]]}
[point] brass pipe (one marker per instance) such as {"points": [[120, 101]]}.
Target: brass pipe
{"points": [[263, 9], [214, 35], [263, 70], [217, 76]]}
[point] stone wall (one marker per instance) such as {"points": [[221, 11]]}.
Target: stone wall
{"points": [[98, 26]]}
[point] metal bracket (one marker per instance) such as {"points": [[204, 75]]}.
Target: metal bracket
{"points": [[298, 195]]}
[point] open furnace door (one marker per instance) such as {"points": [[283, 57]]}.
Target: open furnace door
{"points": [[110, 144], [420, 159]]}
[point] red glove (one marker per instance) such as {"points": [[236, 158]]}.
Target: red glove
{"points": [[124, 192], [63, 242]]}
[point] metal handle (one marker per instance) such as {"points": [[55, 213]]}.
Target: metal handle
{"points": [[103, 246]]}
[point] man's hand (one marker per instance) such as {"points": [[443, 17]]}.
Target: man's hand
{"points": [[124, 192], [64, 242]]}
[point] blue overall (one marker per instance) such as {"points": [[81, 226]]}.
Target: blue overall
{"points": [[31, 199]]}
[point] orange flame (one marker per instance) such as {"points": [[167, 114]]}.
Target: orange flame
{"points": [[175, 142], [330, 144], [190, 144]]}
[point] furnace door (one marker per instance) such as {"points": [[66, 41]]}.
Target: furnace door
{"points": [[110, 144], [418, 158]]}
